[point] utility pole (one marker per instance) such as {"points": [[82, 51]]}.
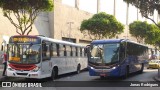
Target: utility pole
{"points": [[70, 29], [77, 4], [127, 14], [98, 6], [137, 14], [114, 12]]}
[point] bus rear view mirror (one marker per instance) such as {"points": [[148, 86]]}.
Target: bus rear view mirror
{"points": [[87, 48]]}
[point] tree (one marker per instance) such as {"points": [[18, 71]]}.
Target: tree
{"points": [[101, 25], [146, 7], [25, 12], [142, 31], [138, 29], [153, 36]]}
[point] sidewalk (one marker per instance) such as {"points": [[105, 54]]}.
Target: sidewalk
{"points": [[1, 71], [156, 78]]}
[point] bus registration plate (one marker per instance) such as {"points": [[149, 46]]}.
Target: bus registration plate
{"points": [[102, 74]]}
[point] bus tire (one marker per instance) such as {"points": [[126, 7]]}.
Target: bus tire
{"points": [[54, 73], [78, 69], [126, 72], [142, 67]]}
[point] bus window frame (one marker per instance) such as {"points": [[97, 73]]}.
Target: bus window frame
{"points": [[71, 53], [48, 45], [55, 53], [124, 44]]}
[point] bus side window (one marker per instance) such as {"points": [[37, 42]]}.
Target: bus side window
{"points": [[57, 48], [122, 52], [71, 53], [80, 52], [51, 50], [76, 52], [45, 50], [64, 49], [61, 50], [54, 50]]}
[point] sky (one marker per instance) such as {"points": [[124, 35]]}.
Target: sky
{"points": [[108, 6]]}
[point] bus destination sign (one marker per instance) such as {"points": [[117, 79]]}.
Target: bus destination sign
{"points": [[24, 40]]}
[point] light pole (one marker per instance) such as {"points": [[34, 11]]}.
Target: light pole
{"points": [[127, 16], [114, 12], [70, 28], [98, 6]]}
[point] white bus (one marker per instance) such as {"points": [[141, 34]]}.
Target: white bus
{"points": [[41, 57]]}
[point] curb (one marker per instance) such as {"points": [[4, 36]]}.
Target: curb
{"points": [[156, 78]]}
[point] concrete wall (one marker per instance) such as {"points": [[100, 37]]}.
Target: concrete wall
{"points": [[54, 24], [64, 14]]}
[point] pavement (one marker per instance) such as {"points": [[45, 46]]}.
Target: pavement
{"points": [[156, 77], [1, 71]]}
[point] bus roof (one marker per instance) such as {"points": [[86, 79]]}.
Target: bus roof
{"points": [[114, 41], [106, 41], [60, 41], [51, 40]]}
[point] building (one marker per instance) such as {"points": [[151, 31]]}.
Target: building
{"points": [[63, 23]]}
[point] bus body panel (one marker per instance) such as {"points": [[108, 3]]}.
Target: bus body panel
{"points": [[104, 72], [64, 63], [132, 61]]}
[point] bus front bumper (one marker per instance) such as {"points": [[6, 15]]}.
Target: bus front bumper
{"points": [[24, 74], [103, 72]]}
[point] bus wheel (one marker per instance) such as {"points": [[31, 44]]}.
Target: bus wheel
{"points": [[142, 67], [126, 72], [78, 69], [54, 73]]}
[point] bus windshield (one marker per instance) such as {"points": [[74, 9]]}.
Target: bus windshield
{"points": [[24, 53], [104, 53]]}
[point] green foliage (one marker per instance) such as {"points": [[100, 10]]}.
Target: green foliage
{"points": [[14, 5], [139, 29], [25, 12], [143, 31], [146, 7], [153, 35], [101, 25]]}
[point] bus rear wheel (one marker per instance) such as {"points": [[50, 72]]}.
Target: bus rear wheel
{"points": [[142, 68], [126, 72], [54, 74], [78, 69]]}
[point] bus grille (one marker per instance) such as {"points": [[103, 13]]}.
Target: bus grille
{"points": [[22, 73], [22, 67]]}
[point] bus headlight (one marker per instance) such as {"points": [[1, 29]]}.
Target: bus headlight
{"points": [[91, 67], [113, 67], [35, 69], [10, 69]]}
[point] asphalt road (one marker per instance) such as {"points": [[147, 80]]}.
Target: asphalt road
{"points": [[83, 81]]}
